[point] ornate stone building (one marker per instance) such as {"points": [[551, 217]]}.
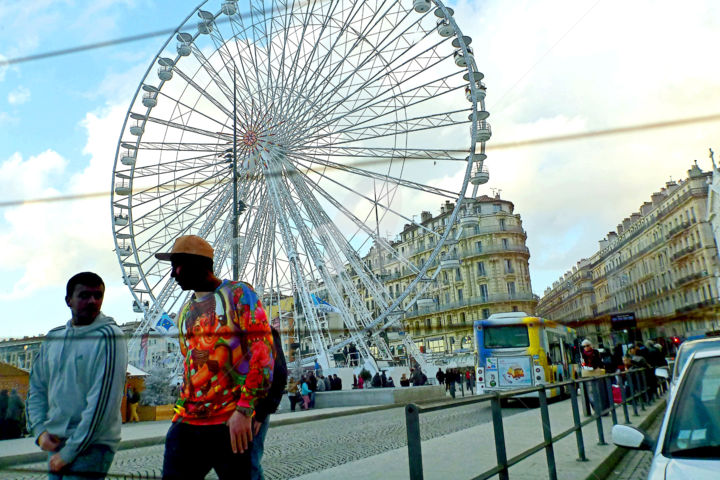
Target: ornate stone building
{"points": [[659, 265], [484, 270]]}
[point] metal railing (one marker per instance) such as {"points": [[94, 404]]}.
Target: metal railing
{"points": [[635, 392]]}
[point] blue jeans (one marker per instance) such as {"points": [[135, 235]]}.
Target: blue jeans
{"points": [[256, 453], [93, 463]]}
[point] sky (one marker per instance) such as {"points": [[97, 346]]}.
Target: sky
{"points": [[551, 68]]}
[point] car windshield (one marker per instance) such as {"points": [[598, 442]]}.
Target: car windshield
{"points": [[694, 425], [687, 349]]}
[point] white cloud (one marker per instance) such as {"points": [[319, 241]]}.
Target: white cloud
{"points": [[19, 96]]}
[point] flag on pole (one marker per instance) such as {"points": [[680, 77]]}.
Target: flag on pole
{"points": [[322, 306], [165, 324]]}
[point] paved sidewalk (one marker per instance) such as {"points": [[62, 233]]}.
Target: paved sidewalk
{"points": [[24, 450], [466, 453]]}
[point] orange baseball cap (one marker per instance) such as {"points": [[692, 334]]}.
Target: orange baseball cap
{"points": [[190, 244]]}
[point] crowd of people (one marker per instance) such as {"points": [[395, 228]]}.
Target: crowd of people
{"points": [[302, 392], [638, 355], [454, 378]]}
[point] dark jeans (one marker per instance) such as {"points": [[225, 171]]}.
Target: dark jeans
{"points": [[91, 463], [294, 400], [191, 451]]}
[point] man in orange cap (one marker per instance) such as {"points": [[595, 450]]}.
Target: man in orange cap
{"points": [[227, 344]]}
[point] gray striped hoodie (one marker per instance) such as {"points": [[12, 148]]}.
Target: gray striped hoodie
{"points": [[77, 384]]}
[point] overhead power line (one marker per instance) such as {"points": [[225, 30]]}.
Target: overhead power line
{"points": [[490, 148], [110, 43]]}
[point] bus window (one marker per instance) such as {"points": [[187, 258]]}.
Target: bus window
{"points": [[554, 350], [506, 336]]}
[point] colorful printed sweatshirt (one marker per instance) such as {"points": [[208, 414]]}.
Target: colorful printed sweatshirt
{"points": [[226, 340]]}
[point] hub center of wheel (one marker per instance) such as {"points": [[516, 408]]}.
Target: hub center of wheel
{"points": [[250, 138]]}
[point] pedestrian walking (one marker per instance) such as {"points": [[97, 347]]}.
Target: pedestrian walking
{"points": [[440, 376], [133, 399], [293, 391], [305, 393], [76, 386], [227, 344]]}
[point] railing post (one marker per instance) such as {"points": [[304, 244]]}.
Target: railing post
{"points": [[598, 411], [641, 391], [607, 381], [586, 398], [547, 435], [623, 397], [412, 423], [576, 421], [633, 390], [499, 432]]}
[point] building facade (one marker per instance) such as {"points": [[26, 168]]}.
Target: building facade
{"points": [[484, 270], [20, 352], [660, 265]]}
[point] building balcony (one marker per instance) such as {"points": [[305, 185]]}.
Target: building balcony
{"points": [[488, 230], [690, 278], [493, 249], [685, 251], [695, 306], [674, 231], [470, 302]]}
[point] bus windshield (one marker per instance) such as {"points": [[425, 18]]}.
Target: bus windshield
{"points": [[506, 336]]}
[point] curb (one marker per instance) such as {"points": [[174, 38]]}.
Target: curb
{"points": [[604, 470]]}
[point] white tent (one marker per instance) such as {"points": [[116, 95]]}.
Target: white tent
{"points": [[133, 371]]}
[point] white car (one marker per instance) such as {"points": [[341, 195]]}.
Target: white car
{"points": [[686, 349], [688, 446]]}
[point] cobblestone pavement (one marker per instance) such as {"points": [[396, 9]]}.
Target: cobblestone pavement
{"points": [[635, 465], [298, 449]]}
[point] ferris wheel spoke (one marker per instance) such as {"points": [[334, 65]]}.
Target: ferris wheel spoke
{"points": [[319, 86], [377, 176], [308, 58], [380, 105], [188, 128], [332, 239], [377, 155], [322, 94], [361, 224], [295, 70], [204, 93], [434, 121]]}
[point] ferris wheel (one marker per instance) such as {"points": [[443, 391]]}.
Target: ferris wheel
{"points": [[294, 136]]}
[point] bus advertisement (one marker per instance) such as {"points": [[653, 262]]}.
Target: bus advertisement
{"points": [[515, 350]]}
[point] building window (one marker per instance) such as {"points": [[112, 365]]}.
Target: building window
{"points": [[458, 275], [514, 308], [460, 294], [485, 313], [511, 288], [502, 224], [509, 266], [505, 243], [478, 247], [481, 268], [496, 207], [462, 318], [483, 292]]}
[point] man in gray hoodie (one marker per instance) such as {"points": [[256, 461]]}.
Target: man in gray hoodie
{"points": [[76, 386]]}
